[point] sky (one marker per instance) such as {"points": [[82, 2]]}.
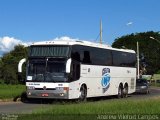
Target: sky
{"points": [[27, 21]]}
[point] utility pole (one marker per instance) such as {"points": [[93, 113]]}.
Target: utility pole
{"points": [[101, 32], [137, 60]]}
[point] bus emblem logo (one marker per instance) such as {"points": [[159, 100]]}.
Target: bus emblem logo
{"points": [[44, 87], [105, 82]]}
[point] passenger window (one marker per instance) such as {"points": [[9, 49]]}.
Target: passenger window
{"points": [[86, 58], [75, 71]]}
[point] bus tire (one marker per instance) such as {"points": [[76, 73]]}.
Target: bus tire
{"points": [[125, 91], [83, 93], [24, 98], [120, 91]]}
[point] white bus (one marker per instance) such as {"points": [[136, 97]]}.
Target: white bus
{"points": [[79, 70]]}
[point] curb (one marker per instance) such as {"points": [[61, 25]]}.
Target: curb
{"points": [[10, 100]]}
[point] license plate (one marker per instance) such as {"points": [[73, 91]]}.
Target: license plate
{"points": [[45, 95]]}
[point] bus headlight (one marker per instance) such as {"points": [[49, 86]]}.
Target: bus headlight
{"points": [[65, 89], [59, 88], [30, 87], [62, 89]]}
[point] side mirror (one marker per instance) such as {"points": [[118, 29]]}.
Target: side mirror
{"points": [[20, 75], [20, 65], [68, 66]]}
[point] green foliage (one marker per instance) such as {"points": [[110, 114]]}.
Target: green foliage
{"points": [[10, 91], [149, 48], [1, 64], [155, 84], [92, 110], [9, 64], [158, 72]]}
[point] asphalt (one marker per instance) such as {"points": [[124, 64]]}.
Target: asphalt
{"points": [[19, 107]]}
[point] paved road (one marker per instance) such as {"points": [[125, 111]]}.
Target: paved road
{"points": [[154, 92], [19, 107]]}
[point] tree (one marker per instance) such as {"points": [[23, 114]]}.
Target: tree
{"points": [[1, 64], [9, 64], [149, 49]]}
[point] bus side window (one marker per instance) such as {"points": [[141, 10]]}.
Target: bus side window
{"points": [[75, 71], [86, 58], [76, 56]]}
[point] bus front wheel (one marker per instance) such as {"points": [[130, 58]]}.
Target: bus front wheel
{"points": [[83, 93]]}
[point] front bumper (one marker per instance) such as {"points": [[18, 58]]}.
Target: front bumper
{"points": [[48, 94], [142, 89]]}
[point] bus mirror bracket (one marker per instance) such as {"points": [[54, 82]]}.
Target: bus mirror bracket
{"points": [[20, 64], [68, 66]]}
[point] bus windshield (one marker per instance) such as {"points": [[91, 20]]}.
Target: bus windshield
{"points": [[47, 70], [50, 51]]}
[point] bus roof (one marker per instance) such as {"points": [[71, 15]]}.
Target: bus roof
{"points": [[78, 42]]}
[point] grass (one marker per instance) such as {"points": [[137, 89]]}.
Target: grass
{"points": [[155, 84], [158, 84], [10, 91], [156, 76], [91, 110]]}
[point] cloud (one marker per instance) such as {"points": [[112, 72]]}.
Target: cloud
{"points": [[7, 43], [129, 23], [65, 38]]}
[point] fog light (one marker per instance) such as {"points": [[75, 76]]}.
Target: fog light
{"points": [[29, 93], [61, 94]]}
